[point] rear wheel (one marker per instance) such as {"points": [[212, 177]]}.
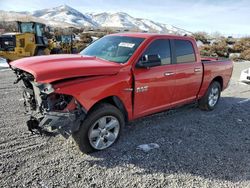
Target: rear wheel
{"points": [[211, 98], [100, 129]]}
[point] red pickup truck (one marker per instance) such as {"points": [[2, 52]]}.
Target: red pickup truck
{"points": [[116, 79]]}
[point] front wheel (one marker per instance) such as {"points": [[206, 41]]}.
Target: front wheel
{"points": [[211, 98], [100, 129]]}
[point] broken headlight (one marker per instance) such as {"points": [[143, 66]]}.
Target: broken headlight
{"points": [[45, 88]]}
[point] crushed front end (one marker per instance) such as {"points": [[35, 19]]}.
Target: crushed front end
{"points": [[50, 112]]}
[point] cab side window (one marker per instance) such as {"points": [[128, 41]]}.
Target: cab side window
{"points": [[184, 51], [160, 47]]}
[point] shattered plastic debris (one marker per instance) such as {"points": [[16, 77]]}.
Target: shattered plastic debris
{"points": [[148, 147]]}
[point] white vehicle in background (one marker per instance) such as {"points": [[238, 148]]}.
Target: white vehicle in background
{"points": [[245, 76]]}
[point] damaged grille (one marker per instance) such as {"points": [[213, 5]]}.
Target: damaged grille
{"points": [[35, 96]]}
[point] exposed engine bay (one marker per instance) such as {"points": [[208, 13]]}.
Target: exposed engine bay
{"points": [[50, 112]]}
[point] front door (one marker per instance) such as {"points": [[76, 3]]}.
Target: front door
{"points": [[154, 87]]}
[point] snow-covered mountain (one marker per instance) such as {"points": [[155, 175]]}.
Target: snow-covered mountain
{"points": [[123, 20], [10, 16], [118, 19], [66, 16]]}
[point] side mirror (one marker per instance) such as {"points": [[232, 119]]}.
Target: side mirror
{"points": [[149, 61]]}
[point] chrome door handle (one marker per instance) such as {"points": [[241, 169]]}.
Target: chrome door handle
{"points": [[197, 70], [168, 73]]}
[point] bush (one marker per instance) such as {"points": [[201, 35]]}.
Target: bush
{"points": [[245, 55], [202, 36], [220, 48], [217, 49], [86, 38], [241, 45], [206, 50]]}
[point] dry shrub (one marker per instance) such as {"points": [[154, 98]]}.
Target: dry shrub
{"points": [[202, 36], [205, 50], [220, 48], [80, 46], [86, 37], [245, 55], [241, 45], [217, 49]]}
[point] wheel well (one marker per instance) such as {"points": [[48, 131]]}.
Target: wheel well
{"points": [[113, 100], [220, 80]]}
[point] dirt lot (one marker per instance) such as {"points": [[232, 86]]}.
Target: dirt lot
{"points": [[197, 148]]}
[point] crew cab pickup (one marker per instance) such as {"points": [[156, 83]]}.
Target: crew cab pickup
{"points": [[118, 78]]}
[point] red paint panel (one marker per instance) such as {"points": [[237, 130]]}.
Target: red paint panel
{"points": [[101, 79]]}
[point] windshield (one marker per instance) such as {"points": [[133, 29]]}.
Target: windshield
{"points": [[113, 48], [30, 27], [27, 28]]}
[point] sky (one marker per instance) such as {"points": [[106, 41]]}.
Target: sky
{"points": [[228, 17]]}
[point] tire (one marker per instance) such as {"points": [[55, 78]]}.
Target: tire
{"points": [[209, 101], [40, 52], [91, 136]]}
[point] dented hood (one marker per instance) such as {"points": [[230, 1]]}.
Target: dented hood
{"points": [[51, 68]]}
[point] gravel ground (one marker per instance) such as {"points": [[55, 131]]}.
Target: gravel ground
{"points": [[197, 148]]}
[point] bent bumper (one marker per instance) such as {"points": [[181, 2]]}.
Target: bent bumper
{"points": [[64, 123]]}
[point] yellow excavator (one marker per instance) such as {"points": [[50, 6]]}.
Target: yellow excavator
{"points": [[28, 41]]}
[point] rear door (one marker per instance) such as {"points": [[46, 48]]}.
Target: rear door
{"points": [[154, 87], [188, 71]]}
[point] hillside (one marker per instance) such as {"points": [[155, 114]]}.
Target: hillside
{"points": [[65, 16]]}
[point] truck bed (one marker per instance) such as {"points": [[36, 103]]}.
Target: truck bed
{"points": [[215, 69]]}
